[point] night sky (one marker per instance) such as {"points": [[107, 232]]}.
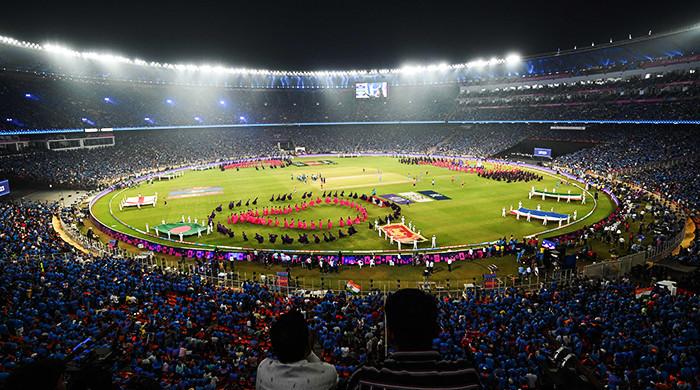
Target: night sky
{"points": [[337, 35]]}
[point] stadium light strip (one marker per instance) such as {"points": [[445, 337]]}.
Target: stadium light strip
{"points": [[52, 48], [301, 124], [40, 131]]}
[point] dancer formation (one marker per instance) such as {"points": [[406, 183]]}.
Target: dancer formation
{"points": [[285, 217]]}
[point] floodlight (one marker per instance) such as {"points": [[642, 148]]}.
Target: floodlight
{"points": [[480, 63], [219, 69], [513, 58]]}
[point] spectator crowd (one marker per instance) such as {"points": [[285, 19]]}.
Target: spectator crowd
{"points": [[182, 332]]}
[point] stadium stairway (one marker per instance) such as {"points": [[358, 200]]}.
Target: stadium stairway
{"points": [[56, 223]]}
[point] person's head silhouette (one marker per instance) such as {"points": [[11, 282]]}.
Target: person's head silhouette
{"points": [[290, 337], [411, 320]]}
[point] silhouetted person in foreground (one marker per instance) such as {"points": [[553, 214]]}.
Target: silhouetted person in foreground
{"points": [[40, 375], [411, 320], [296, 366]]}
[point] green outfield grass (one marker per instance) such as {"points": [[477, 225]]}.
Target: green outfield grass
{"points": [[472, 215]]}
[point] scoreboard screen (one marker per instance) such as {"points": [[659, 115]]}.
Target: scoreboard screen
{"points": [[371, 90], [4, 187], [542, 152]]}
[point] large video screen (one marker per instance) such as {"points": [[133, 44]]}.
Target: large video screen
{"points": [[543, 152], [4, 187], [371, 90]]}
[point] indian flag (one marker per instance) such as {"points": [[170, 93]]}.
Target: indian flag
{"points": [[353, 287], [642, 292]]}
